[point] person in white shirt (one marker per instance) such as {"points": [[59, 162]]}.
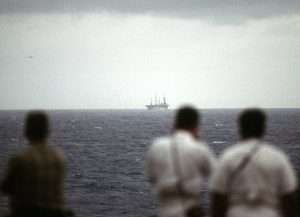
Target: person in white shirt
{"points": [[253, 178], [177, 165]]}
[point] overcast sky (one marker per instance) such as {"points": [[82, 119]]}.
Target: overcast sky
{"points": [[74, 54]]}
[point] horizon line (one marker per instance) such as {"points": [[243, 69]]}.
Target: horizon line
{"points": [[144, 109]]}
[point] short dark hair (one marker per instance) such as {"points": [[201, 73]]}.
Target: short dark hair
{"points": [[36, 126], [187, 117], [252, 123]]}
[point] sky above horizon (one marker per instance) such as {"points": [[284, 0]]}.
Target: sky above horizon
{"points": [[75, 54]]}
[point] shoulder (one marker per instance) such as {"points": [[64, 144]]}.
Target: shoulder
{"points": [[202, 155], [16, 160], [156, 152], [201, 145], [201, 148], [275, 155], [233, 152], [22, 156], [159, 143], [271, 149], [206, 157], [57, 152], [270, 153], [284, 170]]}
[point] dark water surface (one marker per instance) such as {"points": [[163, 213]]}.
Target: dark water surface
{"points": [[105, 152]]}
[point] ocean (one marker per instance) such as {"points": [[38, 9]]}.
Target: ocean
{"points": [[105, 151]]}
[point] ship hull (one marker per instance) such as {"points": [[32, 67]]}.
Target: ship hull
{"points": [[157, 107]]}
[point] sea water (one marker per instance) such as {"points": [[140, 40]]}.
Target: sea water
{"points": [[105, 152]]}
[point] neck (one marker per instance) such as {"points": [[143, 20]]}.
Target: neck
{"points": [[194, 132], [38, 142], [250, 138]]}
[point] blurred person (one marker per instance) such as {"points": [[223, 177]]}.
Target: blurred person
{"points": [[34, 181], [253, 178], [177, 165]]}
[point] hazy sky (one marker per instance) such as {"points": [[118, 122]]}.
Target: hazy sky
{"points": [[120, 53]]}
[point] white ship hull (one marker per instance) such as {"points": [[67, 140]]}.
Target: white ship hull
{"points": [[157, 107]]}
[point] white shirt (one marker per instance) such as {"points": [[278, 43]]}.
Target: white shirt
{"points": [[256, 189], [196, 162]]}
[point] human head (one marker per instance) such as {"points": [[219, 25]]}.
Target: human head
{"points": [[36, 126], [252, 123], [187, 118]]}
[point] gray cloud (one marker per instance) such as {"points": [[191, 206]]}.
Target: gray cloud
{"points": [[220, 10]]}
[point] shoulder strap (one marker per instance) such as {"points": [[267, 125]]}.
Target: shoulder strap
{"points": [[176, 164], [245, 161]]}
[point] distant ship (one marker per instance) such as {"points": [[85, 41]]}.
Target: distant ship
{"points": [[158, 105]]}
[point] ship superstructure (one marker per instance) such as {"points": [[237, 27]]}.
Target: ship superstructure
{"points": [[158, 104]]}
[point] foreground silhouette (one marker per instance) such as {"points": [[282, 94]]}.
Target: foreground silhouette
{"points": [[35, 178]]}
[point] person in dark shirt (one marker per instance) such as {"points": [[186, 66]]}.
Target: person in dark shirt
{"points": [[35, 178]]}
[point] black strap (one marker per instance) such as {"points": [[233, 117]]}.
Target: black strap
{"points": [[195, 211], [177, 169], [245, 161]]}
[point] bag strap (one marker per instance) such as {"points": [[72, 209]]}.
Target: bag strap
{"points": [[179, 184], [245, 161], [176, 164]]}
